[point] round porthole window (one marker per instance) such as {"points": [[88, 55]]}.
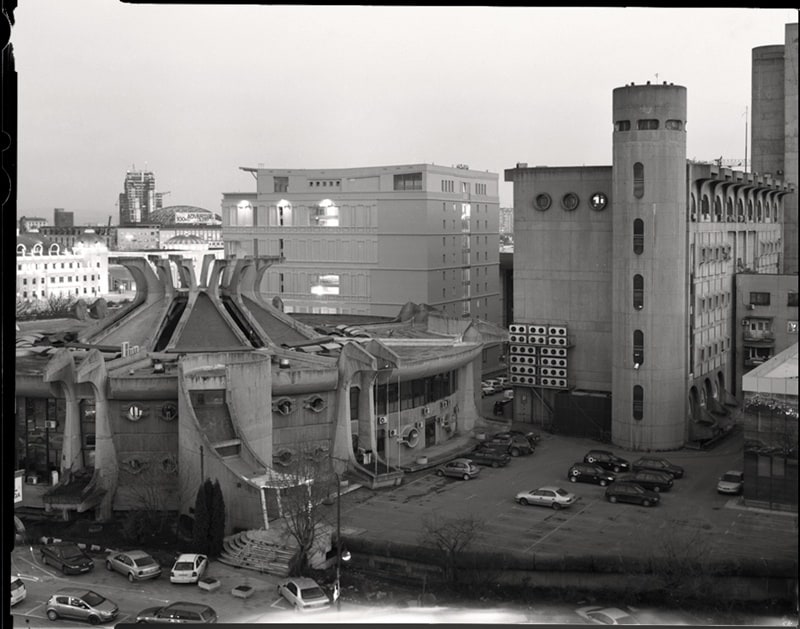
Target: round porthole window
{"points": [[569, 201], [598, 201], [542, 201]]}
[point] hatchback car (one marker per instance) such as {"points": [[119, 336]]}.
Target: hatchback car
{"points": [[607, 460], [589, 473], [606, 615], [513, 444], [81, 604], [137, 565], [488, 456], [658, 464], [731, 482], [633, 493], [304, 594], [178, 612], [657, 481], [18, 590], [553, 497], [188, 568], [67, 557], [459, 468]]}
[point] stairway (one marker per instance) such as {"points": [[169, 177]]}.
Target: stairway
{"points": [[254, 550]]}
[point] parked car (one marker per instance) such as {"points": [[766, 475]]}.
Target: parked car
{"points": [[503, 383], [18, 590], [304, 594], [553, 497], [531, 437], [482, 455], [631, 492], [81, 604], [590, 473], [657, 481], [513, 444], [188, 568], [607, 460], [178, 612], [731, 482], [606, 615], [137, 565], [459, 468], [487, 389], [658, 464], [67, 557]]}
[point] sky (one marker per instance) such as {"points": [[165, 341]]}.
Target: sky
{"points": [[194, 92]]}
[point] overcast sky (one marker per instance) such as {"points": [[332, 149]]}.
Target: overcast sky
{"points": [[194, 92]]}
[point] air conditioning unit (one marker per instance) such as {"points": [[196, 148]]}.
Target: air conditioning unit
{"points": [[425, 410], [381, 419], [392, 432], [419, 424], [444, 403], [51, 424]]}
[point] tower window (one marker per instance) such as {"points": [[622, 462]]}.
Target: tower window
{"points": [[638, 292], [638, 347], [542, 201], [638, 236], [622, 125], [674, 125], [638, 180], [638, 402], [648, 124]]}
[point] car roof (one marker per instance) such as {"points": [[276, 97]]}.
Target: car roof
{"points": [[549, 487], [190, 606], [187, 556], [301, 581], [461, 460], [73, 591], [134, 554], [737, 472]]}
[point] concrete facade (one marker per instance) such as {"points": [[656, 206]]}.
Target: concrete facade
{"points": [[384, 235], [637, 261]]}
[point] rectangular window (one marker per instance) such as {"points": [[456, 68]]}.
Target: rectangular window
{"points": [[759, 299], [465, 187], [326, 285], [281, 184], [792, 300], [411, 181]]}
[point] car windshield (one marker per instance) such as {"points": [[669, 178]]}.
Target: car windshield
{"points": [[92, 598], [75, 555], [184, 565], [731, 478], [16, 583], [144, 561], [311, 593], [207, 613]]}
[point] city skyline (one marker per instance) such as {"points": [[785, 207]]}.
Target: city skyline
{"points": [[354, 86]]}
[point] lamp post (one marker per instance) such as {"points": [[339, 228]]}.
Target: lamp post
{"points": [[340, 555]]}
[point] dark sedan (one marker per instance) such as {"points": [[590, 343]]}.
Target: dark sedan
{"points": [[607, 460], [657, 481], [633, 493], [590, 473], [658, 464], [67, 557], [515, 446], [488, 456], [531, 437]]}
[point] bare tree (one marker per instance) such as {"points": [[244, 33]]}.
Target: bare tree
{"points": [[308, 482], [450, 537]]}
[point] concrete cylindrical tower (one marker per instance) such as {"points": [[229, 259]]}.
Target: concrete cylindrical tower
{"points": [[649, 300], [767, 116]]}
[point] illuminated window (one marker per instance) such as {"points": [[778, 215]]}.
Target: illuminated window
{"points": [[326, 285], [674, 125], [638, 292], [648, 124], [327, 214], [638, 347]]}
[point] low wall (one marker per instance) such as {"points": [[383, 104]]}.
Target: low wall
{"points": [[750, 580]]}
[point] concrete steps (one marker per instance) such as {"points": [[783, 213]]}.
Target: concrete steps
{"points": [[254, 551]]}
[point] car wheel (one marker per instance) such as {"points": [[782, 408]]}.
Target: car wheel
{"points": [[556, 506], [52, 615], [64, 568], [524, 502], [495, 464], [131, 578], [573, 479], [590, 459], [612, 498], [94, 620], [645, 503], [514, 452], [108, 565], [439, 473], [603, 483], [465, 477]]}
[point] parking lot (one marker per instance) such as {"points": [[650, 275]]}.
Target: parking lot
{"points": [[691, 514]]}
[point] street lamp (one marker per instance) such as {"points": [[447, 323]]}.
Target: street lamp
{"points": [[341, 555]]}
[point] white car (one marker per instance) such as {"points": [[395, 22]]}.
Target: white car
{"points": [[188, 568], [553, 497], [487, 389], [18, 591], [304, 594], [137, 565], [731, 482], [606, 615]]}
